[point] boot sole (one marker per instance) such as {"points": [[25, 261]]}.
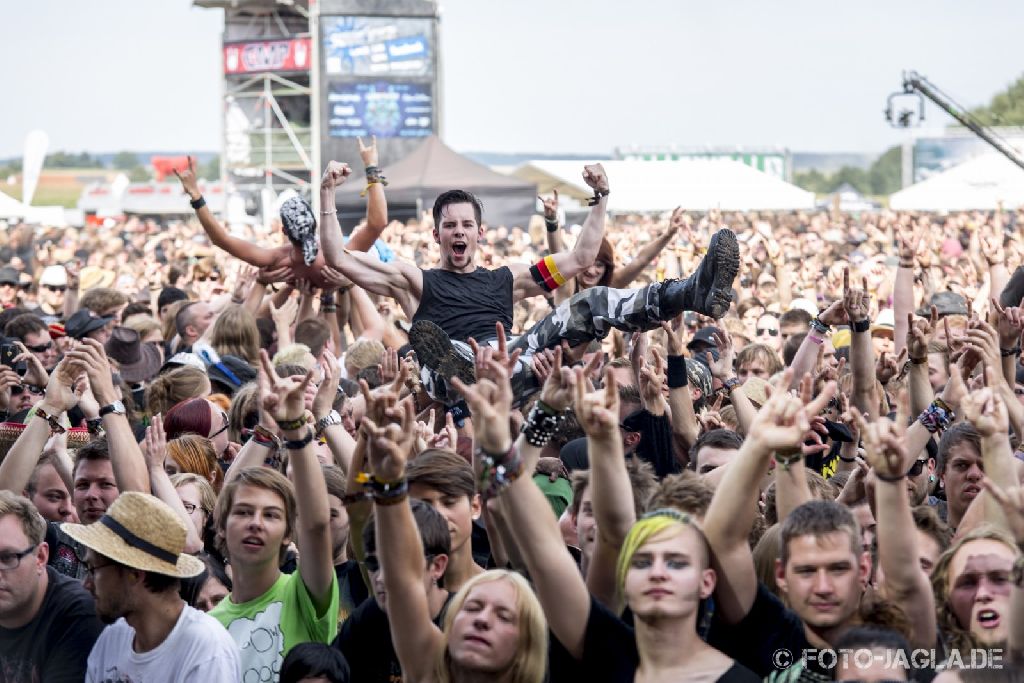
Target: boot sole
{"points": [[434, 349], [727, 265]]}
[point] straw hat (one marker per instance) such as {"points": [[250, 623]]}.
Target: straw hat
{"points": [[10, 431], [94, 276], [142, 532]]}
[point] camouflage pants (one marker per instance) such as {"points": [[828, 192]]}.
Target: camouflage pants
{"points": [[589, 315]]}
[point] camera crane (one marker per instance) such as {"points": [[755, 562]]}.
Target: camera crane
{"points": [[918, 86]]}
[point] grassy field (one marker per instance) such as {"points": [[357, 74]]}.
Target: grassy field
{"points": [[58, 187]]}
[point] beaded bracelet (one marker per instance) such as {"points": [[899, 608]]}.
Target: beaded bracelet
{"points": [[55, 426], [498, 472], [936, 417]]}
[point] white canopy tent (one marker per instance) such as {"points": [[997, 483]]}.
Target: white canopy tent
{"points": [[11, 207], [979, 183], [696, 184]]}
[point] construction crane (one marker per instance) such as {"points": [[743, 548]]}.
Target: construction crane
{"points": [[916, 85]]}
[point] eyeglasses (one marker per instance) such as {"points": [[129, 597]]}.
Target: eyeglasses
{"points": [[40, 348], [10, 561], [56, 288], [761, 331], [916, 468], [30, 388], [189, 507], [223, 428], [90, 569]]}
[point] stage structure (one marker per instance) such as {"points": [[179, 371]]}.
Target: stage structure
{"points": [[303, 79]]}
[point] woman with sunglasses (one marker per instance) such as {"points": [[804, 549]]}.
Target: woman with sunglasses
{"points": [[202, 417]]}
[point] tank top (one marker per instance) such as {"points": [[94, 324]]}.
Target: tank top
{"points": [[467, 305]]}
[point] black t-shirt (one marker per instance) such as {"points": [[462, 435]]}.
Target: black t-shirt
{"points": [[64, 552], [351, 587], [54, 647], [365, 640], [610, 654], [467, 304], [768, 628]]}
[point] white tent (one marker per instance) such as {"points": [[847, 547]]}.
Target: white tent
{"points": [[979, 183], [696, 184], [10, 207]]}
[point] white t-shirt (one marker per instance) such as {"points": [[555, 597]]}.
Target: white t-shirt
{"points": [[197, 649]]}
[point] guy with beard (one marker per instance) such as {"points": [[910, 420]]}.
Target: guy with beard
{"points": [[461, 301], [47, 621], [134, 566]]}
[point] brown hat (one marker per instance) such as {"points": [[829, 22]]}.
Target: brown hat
{"points": [[142, 532], [138, 361], [10, 431]]}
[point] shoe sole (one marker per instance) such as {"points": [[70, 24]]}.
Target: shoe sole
{"points": [[434, 349], [727, 265]]}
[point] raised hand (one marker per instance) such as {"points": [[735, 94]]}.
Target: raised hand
{"points": [[652, 379], [154, 445], [368, 153], [272, 274], [188, 180], [60, 388], [1011, 500], [284, 315], [389, 366], [986, 411], [559, 388], [887, 367], [675, 341], [447, 437], [89, 355], [723, 367], [490, 401], [483, 355], [334, 278], [284, 398], [335, 175], [908, 240], [244, 282], [835, 314], [1009, 323], [883, 440], [595, 177], [598, 411], [550, 205], [35, 373], [919, 334], [327, 392], [855, 301], [992, 247], [390, 446]]}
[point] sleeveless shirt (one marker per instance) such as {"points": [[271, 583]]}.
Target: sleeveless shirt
{"points": [[467, 305]]}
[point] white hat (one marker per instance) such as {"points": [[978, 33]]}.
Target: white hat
{"points": [[804, 305], [54, 275]]}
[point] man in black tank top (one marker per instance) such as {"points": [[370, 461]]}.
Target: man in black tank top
{"points": [[459, 300]]}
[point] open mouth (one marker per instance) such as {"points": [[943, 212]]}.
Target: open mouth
{"points": [[459, 248], [988, 618], [252, 542]]}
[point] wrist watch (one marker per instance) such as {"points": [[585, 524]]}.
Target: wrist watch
{"points": [[332, 418], [117, 408]]}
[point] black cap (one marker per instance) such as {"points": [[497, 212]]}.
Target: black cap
{"points": [[83, 322], [168, 295], [704, 335], [946, 303], [231, 373], [9, 276]]}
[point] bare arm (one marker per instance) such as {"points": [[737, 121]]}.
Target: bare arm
{"points": [[154, 452], [685, 429], [862, 355], [363, 237], [584, 253]]}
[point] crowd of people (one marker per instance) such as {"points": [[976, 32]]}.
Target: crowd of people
{"points": [[721, 446]]}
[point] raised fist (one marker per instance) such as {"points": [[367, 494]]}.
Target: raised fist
{"points": [[335, 174], [595, 176]]}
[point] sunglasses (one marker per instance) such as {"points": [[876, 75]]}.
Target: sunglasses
{"points": [[56, 288], [208, 278], [40, 348], [30, 388], [916, 469], [223, 428], [770, 331]]}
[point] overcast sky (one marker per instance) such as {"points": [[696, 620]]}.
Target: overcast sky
{"points": [[535, 75]]}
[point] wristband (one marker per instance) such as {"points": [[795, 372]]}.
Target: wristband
{"points": [[789, 460], [814, 338], [297, 444], [730, 384], [854, 459], [541, 424], [919, 361], [552, 224], [55, 426], [675, 372], [888, 478], [819, 326], [598, 194], [861, 325], [904, 264], [292, 424], [1006, 353], [264, 437], [198, 203], [95, 426], [329, 309]]}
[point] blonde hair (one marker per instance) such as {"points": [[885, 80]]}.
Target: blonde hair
{"points": [[32, 523], [144, 324], [294, 354], [530, 662], [175, 386], [959, 636], [195, 454], [207, 496], [364, 353], [235, 334], [652, 524]]}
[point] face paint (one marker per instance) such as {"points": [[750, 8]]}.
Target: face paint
{"points": [[300, 227]]}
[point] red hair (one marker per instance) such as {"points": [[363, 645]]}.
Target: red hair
{"points": [[191, 416]]}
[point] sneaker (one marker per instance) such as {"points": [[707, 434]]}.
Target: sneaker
{"points": [[435, 350]]}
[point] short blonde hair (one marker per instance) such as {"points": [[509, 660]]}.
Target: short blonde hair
{"points": [[295, 354], [32, 523], [530, 662], [364, 353]]}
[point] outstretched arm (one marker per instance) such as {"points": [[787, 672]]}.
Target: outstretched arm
{"points": [[363, 237], [625, 275], [570, 264], [253, 254]]}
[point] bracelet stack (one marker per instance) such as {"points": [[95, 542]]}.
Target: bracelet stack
{"points": [[541, 424], [498, 471], [819, 327], [937, 417], [381, 491], [373, 176]]}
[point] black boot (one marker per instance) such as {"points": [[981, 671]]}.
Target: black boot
{"points": [[435, 350], [709, 290]]}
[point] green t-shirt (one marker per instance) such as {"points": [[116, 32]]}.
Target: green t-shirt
{"points": [[267, 627]]}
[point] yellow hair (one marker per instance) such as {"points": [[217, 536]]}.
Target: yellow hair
{"points": [[650, 525]]}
